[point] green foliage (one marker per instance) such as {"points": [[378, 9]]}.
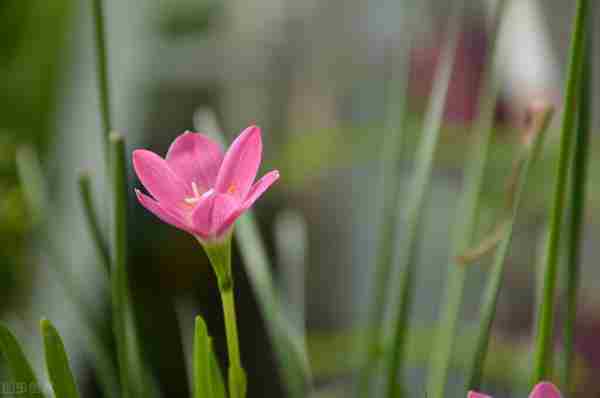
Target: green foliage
{"points": [[57, 363]]}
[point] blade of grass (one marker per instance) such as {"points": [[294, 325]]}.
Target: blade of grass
{"points": [[492, 290], [577, 198], [57, 363], [289, 346], [93, 222], [389, 191], [467, 214], [543, 343], [418, 190], [20, 369]]}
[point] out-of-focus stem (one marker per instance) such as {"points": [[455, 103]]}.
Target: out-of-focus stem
{"points": [[419, 188], [492, 290], [102, 69], [93, 223], [467, 215]]}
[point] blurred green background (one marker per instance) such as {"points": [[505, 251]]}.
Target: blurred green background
{"points": [[315, 75]]}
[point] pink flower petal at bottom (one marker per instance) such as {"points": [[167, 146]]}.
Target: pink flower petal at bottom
{"points": [[545, 390], [474, 394]]}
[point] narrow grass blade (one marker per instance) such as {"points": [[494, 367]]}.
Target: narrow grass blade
{"points": [[389, 191], [577, 197], [204, 383], [492, 290], [419, 188], [93, 222], [20, 370], [289, 346], [466, 221], [57, 363], [543, 344]]}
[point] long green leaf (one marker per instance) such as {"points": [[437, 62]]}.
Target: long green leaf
{"points": [[578, 194], [543, 345], [57, 363], [22, 373], [492, 290], [466, 221], [419, 188], [289, 346]]}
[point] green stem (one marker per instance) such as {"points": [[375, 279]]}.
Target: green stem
{"points": [[578, 192], [102, 67], [543, 349], [220, 259]]}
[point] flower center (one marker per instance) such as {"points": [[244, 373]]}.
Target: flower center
{"points": [[194, 199]]}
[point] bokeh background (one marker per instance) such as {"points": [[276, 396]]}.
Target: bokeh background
{"points": [[316, 76]]}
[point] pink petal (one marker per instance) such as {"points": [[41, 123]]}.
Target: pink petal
{"points": [[475, 394], [159, 179], [241, 164], [544, 390], [161, 212], [210, 214], [195, 158], [260, 187]]}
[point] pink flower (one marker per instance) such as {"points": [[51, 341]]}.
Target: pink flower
{"points": [[198, 189], [541, 390]]}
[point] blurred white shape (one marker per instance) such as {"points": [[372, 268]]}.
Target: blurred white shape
{"points": [[528, 61]]}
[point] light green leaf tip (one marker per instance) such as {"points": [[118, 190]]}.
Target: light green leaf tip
{"points": [[57, 362], [208, 379]]}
